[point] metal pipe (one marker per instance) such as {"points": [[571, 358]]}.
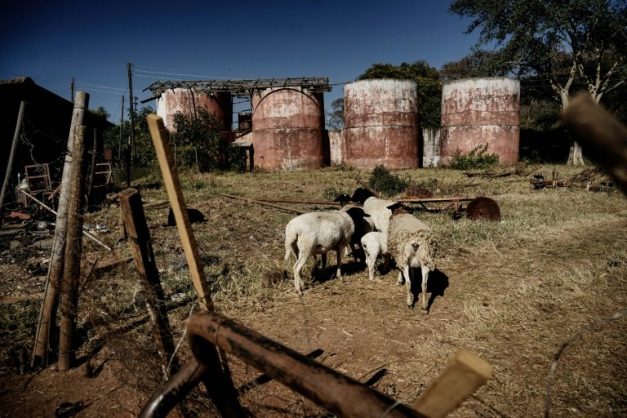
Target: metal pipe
{"points": [[329, 389], [174, 391]]}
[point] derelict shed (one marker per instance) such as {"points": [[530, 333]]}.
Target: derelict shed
{"points": [[479, 112], [381, 124], [44, 130], [285, 124]]}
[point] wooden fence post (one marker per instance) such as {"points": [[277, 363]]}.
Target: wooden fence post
{"points": [[48, 310], [219, 383], [73, 250], [141, 246], [16, 135], [462, 377]]}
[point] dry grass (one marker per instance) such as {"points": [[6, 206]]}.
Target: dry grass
{"points": [[515, 290]]}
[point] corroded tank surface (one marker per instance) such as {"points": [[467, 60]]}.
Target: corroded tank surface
{"points": [[288, 125], [187, 102], [381, 124], [481, 111]]}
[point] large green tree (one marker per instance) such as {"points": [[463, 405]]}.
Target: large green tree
{"points": [[560, 42], [479, 63], [426, 77]]}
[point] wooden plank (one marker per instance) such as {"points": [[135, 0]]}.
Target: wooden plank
{"points": [[462, 377], [177, 202], [141, 247]]}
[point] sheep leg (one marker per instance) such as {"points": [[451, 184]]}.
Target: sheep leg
{"points": [[371, 261], [298, 267], [340, 250], [425, 276], [401, 279], [410, 295]]}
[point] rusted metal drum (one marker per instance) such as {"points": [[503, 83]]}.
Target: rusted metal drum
{"points": [[381, 124], [481, 111], [188, 101], [288, 125]]}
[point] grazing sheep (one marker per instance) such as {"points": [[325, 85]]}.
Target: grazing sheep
{"points": [[412, 245], [194, 215], [374, 245], [375, 207], [317, 233]]}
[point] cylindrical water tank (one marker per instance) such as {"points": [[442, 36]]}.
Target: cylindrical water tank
{"points": [[189, 101], [381, 124], [287, 129], [481, 111]]}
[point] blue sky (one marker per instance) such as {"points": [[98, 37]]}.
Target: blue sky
{"points": [[92, 41]]}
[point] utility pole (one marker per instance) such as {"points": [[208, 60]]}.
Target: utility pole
{"points": [[131, 138], [72, 89], [121, 128]]}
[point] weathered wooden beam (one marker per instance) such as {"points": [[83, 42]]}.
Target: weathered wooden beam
{"points": [[48, 310], [73, 250], [462, 377], [177, 203], [141, 248], [333, 391]]}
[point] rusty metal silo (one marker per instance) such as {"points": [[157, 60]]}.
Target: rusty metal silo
{"points": [[381, 124], [188, 101], [288, 125], [481, 111]]}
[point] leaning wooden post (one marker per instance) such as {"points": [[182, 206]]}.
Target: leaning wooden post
{"points": [[219, 384], [16, 135], [462, 377], [141, 246], [51, 294], [73, 250], [177, 203]]}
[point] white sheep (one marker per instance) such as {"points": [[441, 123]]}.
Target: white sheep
{"points": [[317, 233], [374, 245], [412, 245], [375, 207]]}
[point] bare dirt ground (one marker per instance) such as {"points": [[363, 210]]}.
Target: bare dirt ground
{"points": [[511, 291]]}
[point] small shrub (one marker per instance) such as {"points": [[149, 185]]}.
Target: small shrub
{"points": [[385, 182], [478, 158]]}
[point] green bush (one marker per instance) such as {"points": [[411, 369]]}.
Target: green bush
{"points": [[478, 158], [199, 143], [385, 182]]}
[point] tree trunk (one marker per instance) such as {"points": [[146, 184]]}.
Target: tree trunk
{"points": [[575, 157]]}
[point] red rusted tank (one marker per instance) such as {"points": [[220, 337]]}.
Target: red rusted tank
{"points": [[381, 124], [188, 101], [481, 111], [288, 124]]}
